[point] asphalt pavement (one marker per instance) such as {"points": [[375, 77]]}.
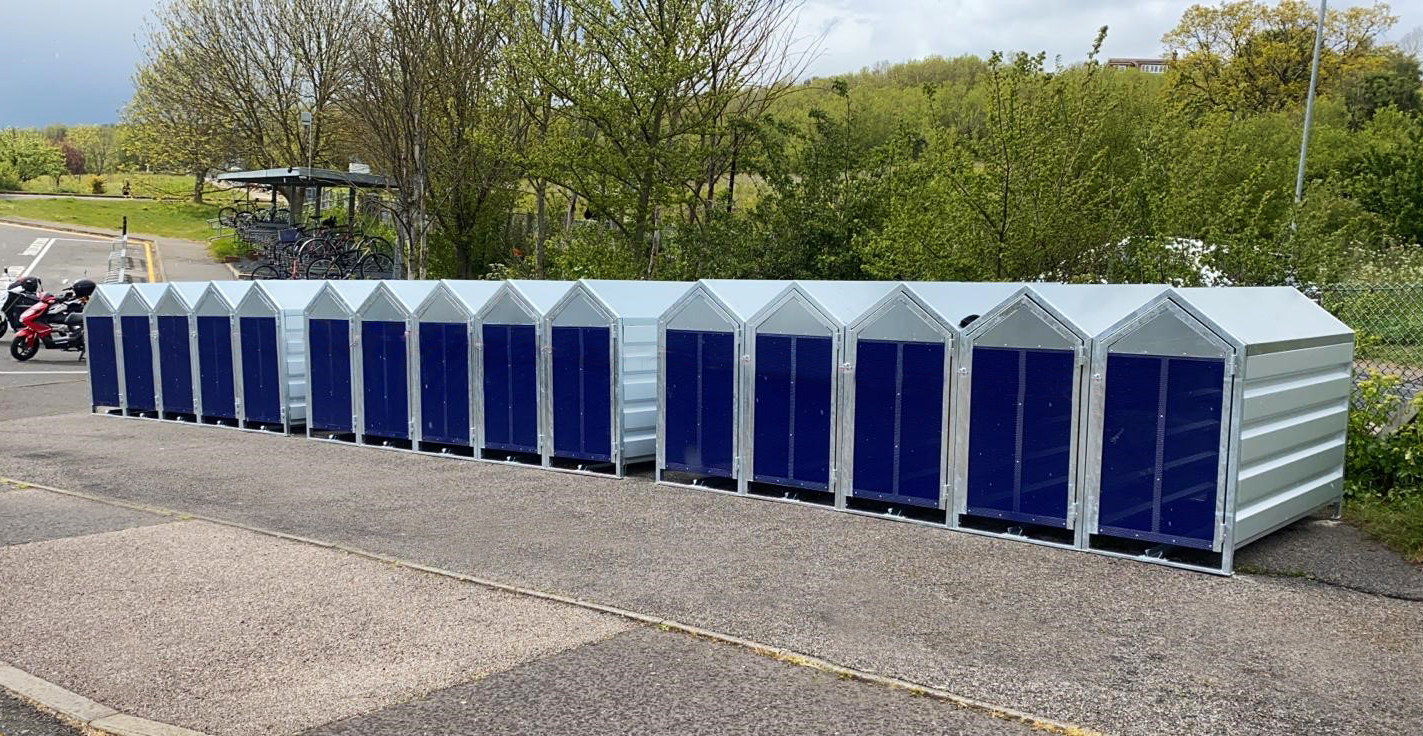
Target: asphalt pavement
{"points": [[53, 255], [1114, 645]]}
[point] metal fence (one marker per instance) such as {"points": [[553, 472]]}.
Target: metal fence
{"points": [[1388, 322]]}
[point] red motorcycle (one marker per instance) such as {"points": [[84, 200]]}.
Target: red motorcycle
{"points": [[58, 327]]}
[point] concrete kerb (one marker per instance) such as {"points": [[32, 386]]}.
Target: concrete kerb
{"points": [[150, 244], [766, 650], [79, 711]]}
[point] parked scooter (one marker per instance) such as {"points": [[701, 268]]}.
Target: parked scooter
{"points": [[19, 296], [56, 322]]}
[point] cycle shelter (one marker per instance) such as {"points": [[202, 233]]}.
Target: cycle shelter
{"points": [[893, 446], [271, 355], [382, 385], [176, 346], [511, 375], [1020, 408], [446, 404], [102, 349], [602, 369], [1219, 416], [142, 394], [218, 369], [701, 393], [330, 336], [796, 347]]}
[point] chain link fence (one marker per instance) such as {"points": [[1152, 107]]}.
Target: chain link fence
{"points": [[1388, 322]]}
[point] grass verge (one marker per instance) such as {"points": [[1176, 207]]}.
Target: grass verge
{"points": [[168, 219], [1397, 522]]}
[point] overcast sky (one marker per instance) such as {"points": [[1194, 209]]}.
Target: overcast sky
{"points": [[71, 60]]}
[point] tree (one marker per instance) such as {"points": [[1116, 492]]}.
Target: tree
{"points": [[166, 129], [1395, 83], [1250, 57], [651, 94], [97, 143], [30, 155]]}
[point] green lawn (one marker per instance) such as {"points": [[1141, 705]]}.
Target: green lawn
{"points": [[158, 186], [169, 219], [1396, 522]]}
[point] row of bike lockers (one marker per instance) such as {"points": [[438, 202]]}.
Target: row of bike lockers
{"points": [[1168, 424]]}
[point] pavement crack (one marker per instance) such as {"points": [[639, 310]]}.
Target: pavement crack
{"points": [[1301, 575]]}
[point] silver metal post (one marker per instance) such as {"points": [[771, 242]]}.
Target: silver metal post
{"points": [[1309, 105]]}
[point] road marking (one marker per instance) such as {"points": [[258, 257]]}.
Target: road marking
{"points": [[148, 258], [12, 273], [38, 257], [37, 246]]}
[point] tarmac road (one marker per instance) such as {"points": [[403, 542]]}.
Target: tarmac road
{"points": [[52, 255]]}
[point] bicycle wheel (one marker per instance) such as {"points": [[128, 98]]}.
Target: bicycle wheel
{"points": [[227, 216], [377, 244], [375, 266], [324, 268], [266, 272]]}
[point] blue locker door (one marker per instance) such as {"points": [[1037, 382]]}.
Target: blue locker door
{"points": [[582, 393], [103, 361], [444, 383], [511, 409], [1161, 449], [1020, 434], [138, 364], [329, 345], [215, 367], [383, 370], [701, 395], [175, 364], [899, 394], [261, 388], [792, 424]]}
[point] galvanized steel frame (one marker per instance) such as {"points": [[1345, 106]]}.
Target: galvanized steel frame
{"points": [[101, 293], [845, 443], [615, 375], [157, 368], [1024, 299], [543, 347], [173, 293]]}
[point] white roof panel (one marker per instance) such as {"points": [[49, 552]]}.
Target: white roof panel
{"points": [[846, 301], [745, 298], [410, 294], [1261, 315], [287, 295], [472, 294], [352, 293], [542, 295], [149, 293], [953, 301], [189, 292], [232, 292], [637, 299], [1095, 308]]}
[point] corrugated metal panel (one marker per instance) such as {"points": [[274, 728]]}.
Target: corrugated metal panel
{"points": [[898, 416], [175, 363], [444, 383], [385, 385], [216, 378], [700, 403], [102, 358], [582, 379], [1292, 432], [510, 388], [330, 379], [261, 370], [794, 386]]}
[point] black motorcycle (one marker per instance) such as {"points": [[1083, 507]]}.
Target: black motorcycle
{"points": [[19, 296]]}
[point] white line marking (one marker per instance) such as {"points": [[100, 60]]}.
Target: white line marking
{"points": [[38, 257], [36, 246], [41, 373], [12, 273]]}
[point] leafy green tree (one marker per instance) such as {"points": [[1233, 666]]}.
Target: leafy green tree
{"points": [[30, 155], [1396, 83]]}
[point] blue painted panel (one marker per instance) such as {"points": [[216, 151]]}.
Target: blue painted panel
{"points": [[175, 364], [444, 383], [261, 378], [139, 392], [899, 395], [1020, 434], [215, 369], [582, 393], [103, 361], [386, 401], [701, 395], [1161, 449], [329, 350], [511, 410], [794, 375]]}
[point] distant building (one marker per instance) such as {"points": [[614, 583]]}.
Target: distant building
{"points": [[1150, 66]]}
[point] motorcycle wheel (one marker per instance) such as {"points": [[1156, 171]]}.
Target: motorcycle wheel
{"points": [[4, 325], [22, 349]]}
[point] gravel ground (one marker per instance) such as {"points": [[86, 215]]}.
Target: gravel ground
{"points": [[230, 632], [1336, 553], [36, 396], [1110, 644], [35, 516], [22, 719], [651, 682]]}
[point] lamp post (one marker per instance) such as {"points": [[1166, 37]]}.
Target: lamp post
{"points": [[1309, 106]]}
